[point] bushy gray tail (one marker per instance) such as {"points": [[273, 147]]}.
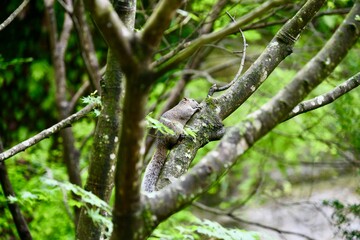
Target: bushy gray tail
{"points": [[153, 169]]}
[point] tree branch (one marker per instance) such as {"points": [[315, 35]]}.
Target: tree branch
{"points": [[222, 106], [326, 98], [214, 88], [46, 133], [313, 73], [158, 22], [79, 93], [104, 152], [69, 8], [195, 62], [193, 46], [238, 219], [213, 15], [278, 49], [114, 31], [19, 220], [71, 155], [14, 14], [240, 138], [58, 47], [263, 24], [87, 46], [65, 35]]}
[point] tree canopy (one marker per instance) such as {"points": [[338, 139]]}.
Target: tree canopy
{"points": [[84, 85]]}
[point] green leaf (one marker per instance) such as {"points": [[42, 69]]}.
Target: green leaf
{"points": [[153, 123], [16, 61], [39, 69], [74, 203], [214, 229], [331, 4], [97, 112], [91, 99], [101, 220], [190, 132], [28, 195], [12, 199], [86, 197], [98, 210]]}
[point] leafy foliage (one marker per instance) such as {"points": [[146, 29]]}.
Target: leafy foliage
{"points": [[154, 123], [44, 209], [184, 225], [4, 64], [47, 194], [93, 98], [347, 218], [215, 230], [27, 96], [98, 210]]}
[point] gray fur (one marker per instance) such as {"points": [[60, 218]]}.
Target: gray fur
{"points": [[175, 119]]}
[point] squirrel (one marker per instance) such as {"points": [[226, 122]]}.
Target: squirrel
{"points": [[175, 119]]}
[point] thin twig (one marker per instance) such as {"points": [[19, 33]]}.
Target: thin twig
{"points": [[47, 132], [196, 73], [262, 23], [67, 7], [14, 14], [234, 217], [80, 92], [254, 191], [196, 44], [85, 140], [222, 66], [63, 40], [214, 88], [203, 28]]}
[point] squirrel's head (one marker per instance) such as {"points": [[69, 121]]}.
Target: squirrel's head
{"points": [[191, 102]]}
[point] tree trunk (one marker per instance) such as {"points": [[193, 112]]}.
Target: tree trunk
{"points": [[106, 138]]}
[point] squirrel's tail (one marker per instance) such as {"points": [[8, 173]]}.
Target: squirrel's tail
{"points": [[153, 169]]}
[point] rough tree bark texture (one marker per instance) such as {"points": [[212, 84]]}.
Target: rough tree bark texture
{"points": [[135, 215], [58, 46], [240, 138], [278, 49], [106, 138]]}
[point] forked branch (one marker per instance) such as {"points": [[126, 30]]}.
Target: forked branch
{"points": [[214, 88], [240, 138], [114, 31], [279, 48]]}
